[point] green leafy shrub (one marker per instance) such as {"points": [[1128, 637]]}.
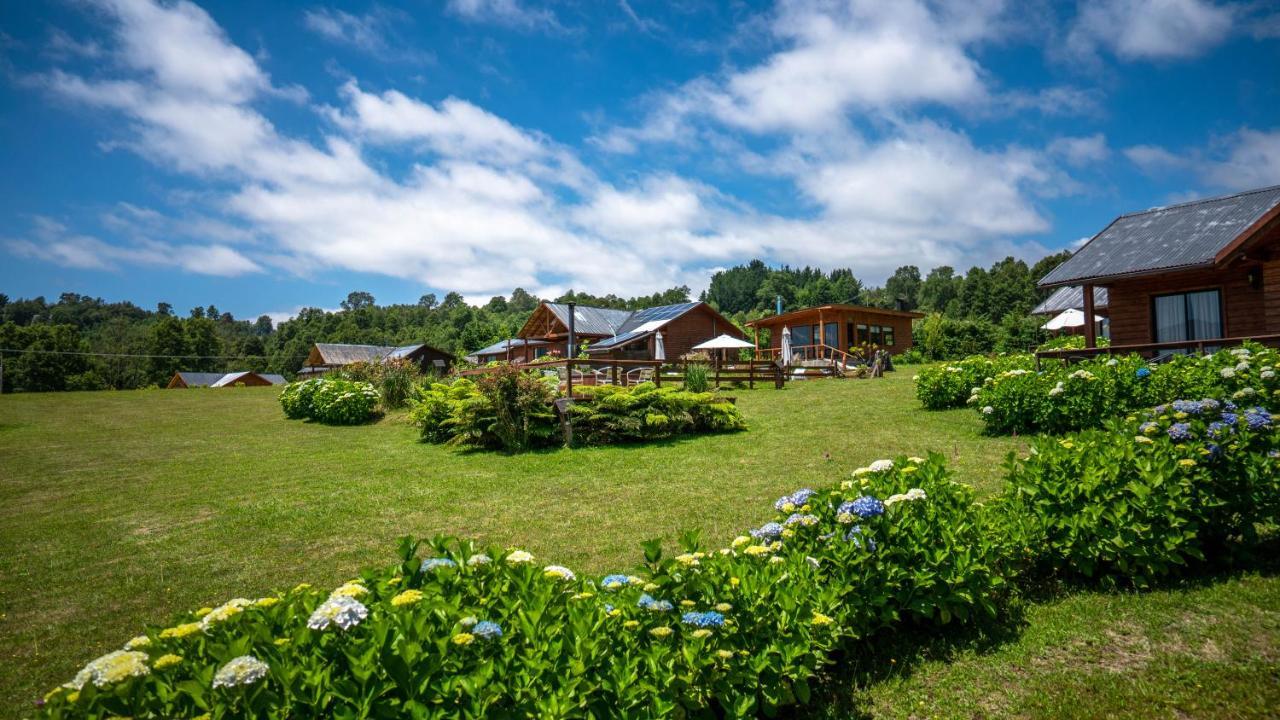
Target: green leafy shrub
{"points": [[394, 380], [297, 398], [1148, 495], [453, 630], [505, 409], [1070, 342], [940, 387], [697, 377], [609, 414]]}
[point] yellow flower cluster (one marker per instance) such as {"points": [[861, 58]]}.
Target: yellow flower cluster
{"points": [[180, 631], [821, 620], [702, 633], [408, 597], [350, 589], [463, 639], [167, 660], [661, 632]]}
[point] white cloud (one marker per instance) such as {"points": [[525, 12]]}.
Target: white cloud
{"points": [[510, 13], [1243, 160], [52, 242], [1081, 151], [1149, 29], [1252, 160], [373, 32]]}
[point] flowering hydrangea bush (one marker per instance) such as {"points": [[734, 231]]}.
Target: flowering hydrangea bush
{"points": [[940, 387], [1151, 493], [330, 400], [1062, 398]]}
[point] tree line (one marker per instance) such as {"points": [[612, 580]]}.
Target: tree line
{"points": [[79, 342]]}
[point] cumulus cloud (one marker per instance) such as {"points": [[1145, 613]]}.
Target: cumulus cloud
{"points": [[1245, 159], [51, 241], [1081, 151], [1149, 29], [478, 204]]}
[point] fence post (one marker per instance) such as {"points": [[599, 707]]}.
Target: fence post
{"points": [[657, 373], [751, 375]]}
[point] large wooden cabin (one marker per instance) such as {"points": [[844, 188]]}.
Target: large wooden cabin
{"points": [[625, 334], [841, 327], [1184, 274]]}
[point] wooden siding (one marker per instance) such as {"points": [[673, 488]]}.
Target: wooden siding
{"points": [[694, 328], [1245, 308]]}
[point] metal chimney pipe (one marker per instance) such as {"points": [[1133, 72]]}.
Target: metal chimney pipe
{"points": [[571, 353], [778, 301]]}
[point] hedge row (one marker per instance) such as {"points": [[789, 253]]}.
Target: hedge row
{"points": [[453, 630]]}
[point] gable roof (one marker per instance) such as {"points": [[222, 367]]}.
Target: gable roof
{"points": [[502, 345], [644, 323], [1188, 235], [1071, 296], [199, 379], [343, 354], [589, 320]]}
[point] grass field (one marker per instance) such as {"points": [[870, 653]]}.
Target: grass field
{"points": [[121, 508]]}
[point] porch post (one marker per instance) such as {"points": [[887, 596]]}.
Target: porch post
{"points": [[1090, 329]]}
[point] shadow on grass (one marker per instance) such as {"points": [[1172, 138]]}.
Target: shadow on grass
{"points": [[898, 652]]}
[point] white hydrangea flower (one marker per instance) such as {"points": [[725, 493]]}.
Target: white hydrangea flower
{"points": [[1227, 372], [341, 611], [112, 668], [479, 559], [559, 571], [226, 610], [239, 672], [988, 410], [881, 465], [519, 556], [1242, 366], [1268, 374]]}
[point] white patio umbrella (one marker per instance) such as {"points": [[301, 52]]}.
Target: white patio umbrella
{"points": [[723, 342], [659, 347], [1070, 317], [786, 345]]}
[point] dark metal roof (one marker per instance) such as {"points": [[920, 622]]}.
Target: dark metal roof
{"points": [[273, 378], [1180, 236], [1071, 296], [591, 320], [200, 379], [502, 345], [618, 340]]}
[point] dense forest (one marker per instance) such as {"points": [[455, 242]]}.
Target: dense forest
{"points": [[84, 343]]}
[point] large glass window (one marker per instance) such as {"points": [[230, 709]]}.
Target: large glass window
{"points": [[831, 334], [1188, 316], [801, 335]]}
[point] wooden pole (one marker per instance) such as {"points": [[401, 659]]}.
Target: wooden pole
{"points": [[1090, 331]]}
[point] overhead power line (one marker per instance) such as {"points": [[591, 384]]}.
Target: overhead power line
{"points": [[137, 355]]}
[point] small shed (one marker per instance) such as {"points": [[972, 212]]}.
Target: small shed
{"points": [[329, 356]]}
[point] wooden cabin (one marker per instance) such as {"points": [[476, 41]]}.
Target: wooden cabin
{"points": [[183, 379], [512, 350], [1183, 274], [627, 334], [329, 356], [842, 327]]}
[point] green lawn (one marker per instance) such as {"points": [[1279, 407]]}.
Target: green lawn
{"points": [[121, 508]]}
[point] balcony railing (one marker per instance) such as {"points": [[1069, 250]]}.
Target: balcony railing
{"points": [[1155, 349]]}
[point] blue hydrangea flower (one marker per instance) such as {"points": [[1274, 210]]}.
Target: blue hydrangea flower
{"points": [[432, 563], [648, 603], [1230, 418], [1145, 427], [1257, 419], [1209, 405], [855, 536], [798, 519], [797, 498], [1159, 409], [708, 619], [1214, 450], [767, 531], [1218, 429], [487, 630], [1180, 432], [1142, 372], [613, 582], [1229, 406], [865, 507], [1190, 407]]}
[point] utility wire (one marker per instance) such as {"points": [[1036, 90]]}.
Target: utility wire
{"points": [[137, 355]]}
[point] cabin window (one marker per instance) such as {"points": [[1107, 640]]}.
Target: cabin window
{"points": [[831, 334], [886, 332], [801, 335], [863, 336], [1188, 316]]}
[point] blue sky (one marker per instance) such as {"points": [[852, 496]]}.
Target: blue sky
{"points": [[268, 156]]}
